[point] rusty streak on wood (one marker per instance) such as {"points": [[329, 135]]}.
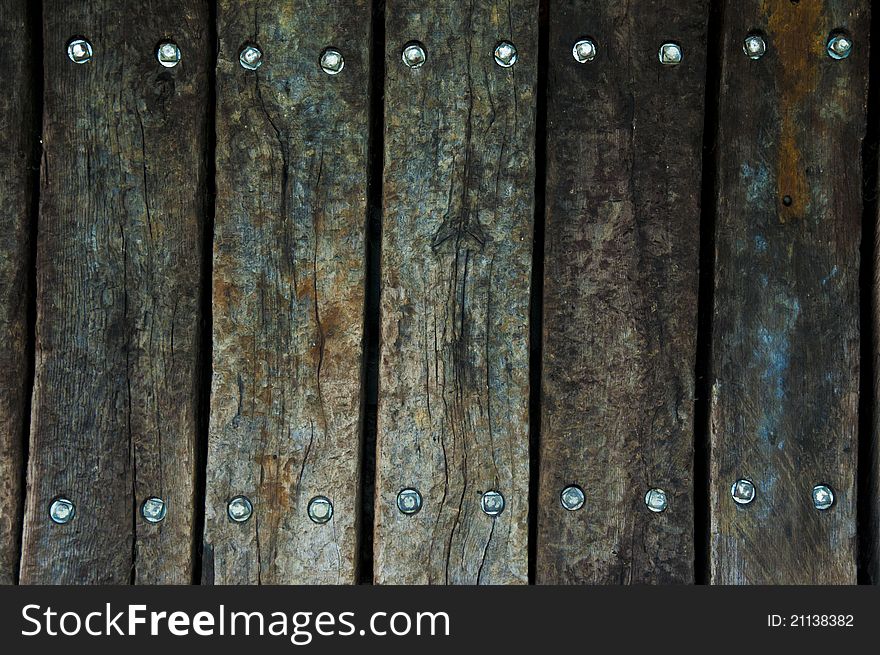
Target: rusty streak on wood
{"points": [[18, 142], [786, 329], [798, 40], [118, 265], [456, 259], [620, 292], [288, 294]]}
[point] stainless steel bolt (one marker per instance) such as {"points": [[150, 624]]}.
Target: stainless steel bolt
{"points": [[656, 500], [823, 497], [153, 509], [320, 509], [492, 503], [754, 46], [239, 509], [79, 51], [168, 54], [505, 54], [839, 45], [414, 54], [743, 491], [62, 511], [584, 51], [670, 54], [409, 501], [572, 497], [250, 57], [332, 61]]}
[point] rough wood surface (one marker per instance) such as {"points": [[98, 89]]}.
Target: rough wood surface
{"points": [[456, 259], [786, 322], [620, 292], [18, 142], [118, 266], [288, 296], [871, 558]]}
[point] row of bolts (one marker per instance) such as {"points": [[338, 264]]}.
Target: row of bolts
{"points": [[409, 501], [838, 46]]}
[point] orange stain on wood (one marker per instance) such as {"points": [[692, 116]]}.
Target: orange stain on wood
{"points": [[796, 34], [276, 482], [225, 295]]}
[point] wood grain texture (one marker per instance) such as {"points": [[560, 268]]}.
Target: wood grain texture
{"points": [[620, 292], [288, 299], [871, 558], [19, 136], [786, 323], [456, 259], [118, 266]]}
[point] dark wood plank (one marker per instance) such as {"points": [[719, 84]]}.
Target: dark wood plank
{"points": [[456, 261], [871, 558], [118, 268], [786, 323], [19, 136], [289, 258], [620, 292]]}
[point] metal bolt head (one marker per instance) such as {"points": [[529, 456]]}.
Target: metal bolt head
{"points": [[320, 509], [505, 54], [492, 503], [414, 54], [409, 501], [79, 51], [168, 54], [743, 491], [250, 57], [62, 511], [153, 509], [584, 51], [670, 54], [839, 45], [332, 61], [239, 509], [572, 497], [656, 500], [754, 46], [823, 497]]}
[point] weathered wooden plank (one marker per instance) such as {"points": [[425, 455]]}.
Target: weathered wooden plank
{"points": [[786, 321], [288, 300], [871, 558], [118, 267], [19, 134], [624, 143], [458, 209]]}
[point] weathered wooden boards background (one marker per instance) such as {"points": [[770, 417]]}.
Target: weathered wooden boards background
{"points": [[786, 315], [288, 292], [118, 268], [198, 347], [456, 263], [624, 140]]}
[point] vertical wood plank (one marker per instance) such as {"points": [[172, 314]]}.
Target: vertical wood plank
{"points": [[118, 266], [288, 299], [19, 126], [871, 538], [786, 324], [624, 143], [458, 211]]}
